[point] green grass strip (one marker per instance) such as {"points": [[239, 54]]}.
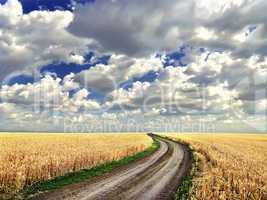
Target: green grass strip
{"points": [[82, 175], [185, 190]]}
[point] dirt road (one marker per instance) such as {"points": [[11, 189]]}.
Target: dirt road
{"points": [[155, 177]]}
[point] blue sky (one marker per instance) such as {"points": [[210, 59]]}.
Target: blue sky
{"points": [[31, 5], [85, 60]]}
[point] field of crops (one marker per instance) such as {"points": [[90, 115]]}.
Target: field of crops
{"points": [[231, 166], [27, 158]]}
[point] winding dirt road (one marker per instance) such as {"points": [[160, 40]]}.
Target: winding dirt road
{"points": [[155, 177]]}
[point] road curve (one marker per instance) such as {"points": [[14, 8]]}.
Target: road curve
{"points": [[155, 177]]}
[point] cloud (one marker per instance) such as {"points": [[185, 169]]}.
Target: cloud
{"points": [[120, 68], [249, 26], [215, 85], [128, 28], [47, 105], [32, 40], [225, 80], [49, 95]]}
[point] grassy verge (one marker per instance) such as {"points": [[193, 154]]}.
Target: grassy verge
{"points": [[186, 190], [82, 175]]}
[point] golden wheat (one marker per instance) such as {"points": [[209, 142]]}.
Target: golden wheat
{"points": [[231, 167], [27, 158]]}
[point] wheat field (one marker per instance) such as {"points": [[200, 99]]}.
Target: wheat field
{"points": [[27, 158], [230, 166]]}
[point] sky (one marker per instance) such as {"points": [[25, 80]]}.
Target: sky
{"points": [[133, 65]]}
